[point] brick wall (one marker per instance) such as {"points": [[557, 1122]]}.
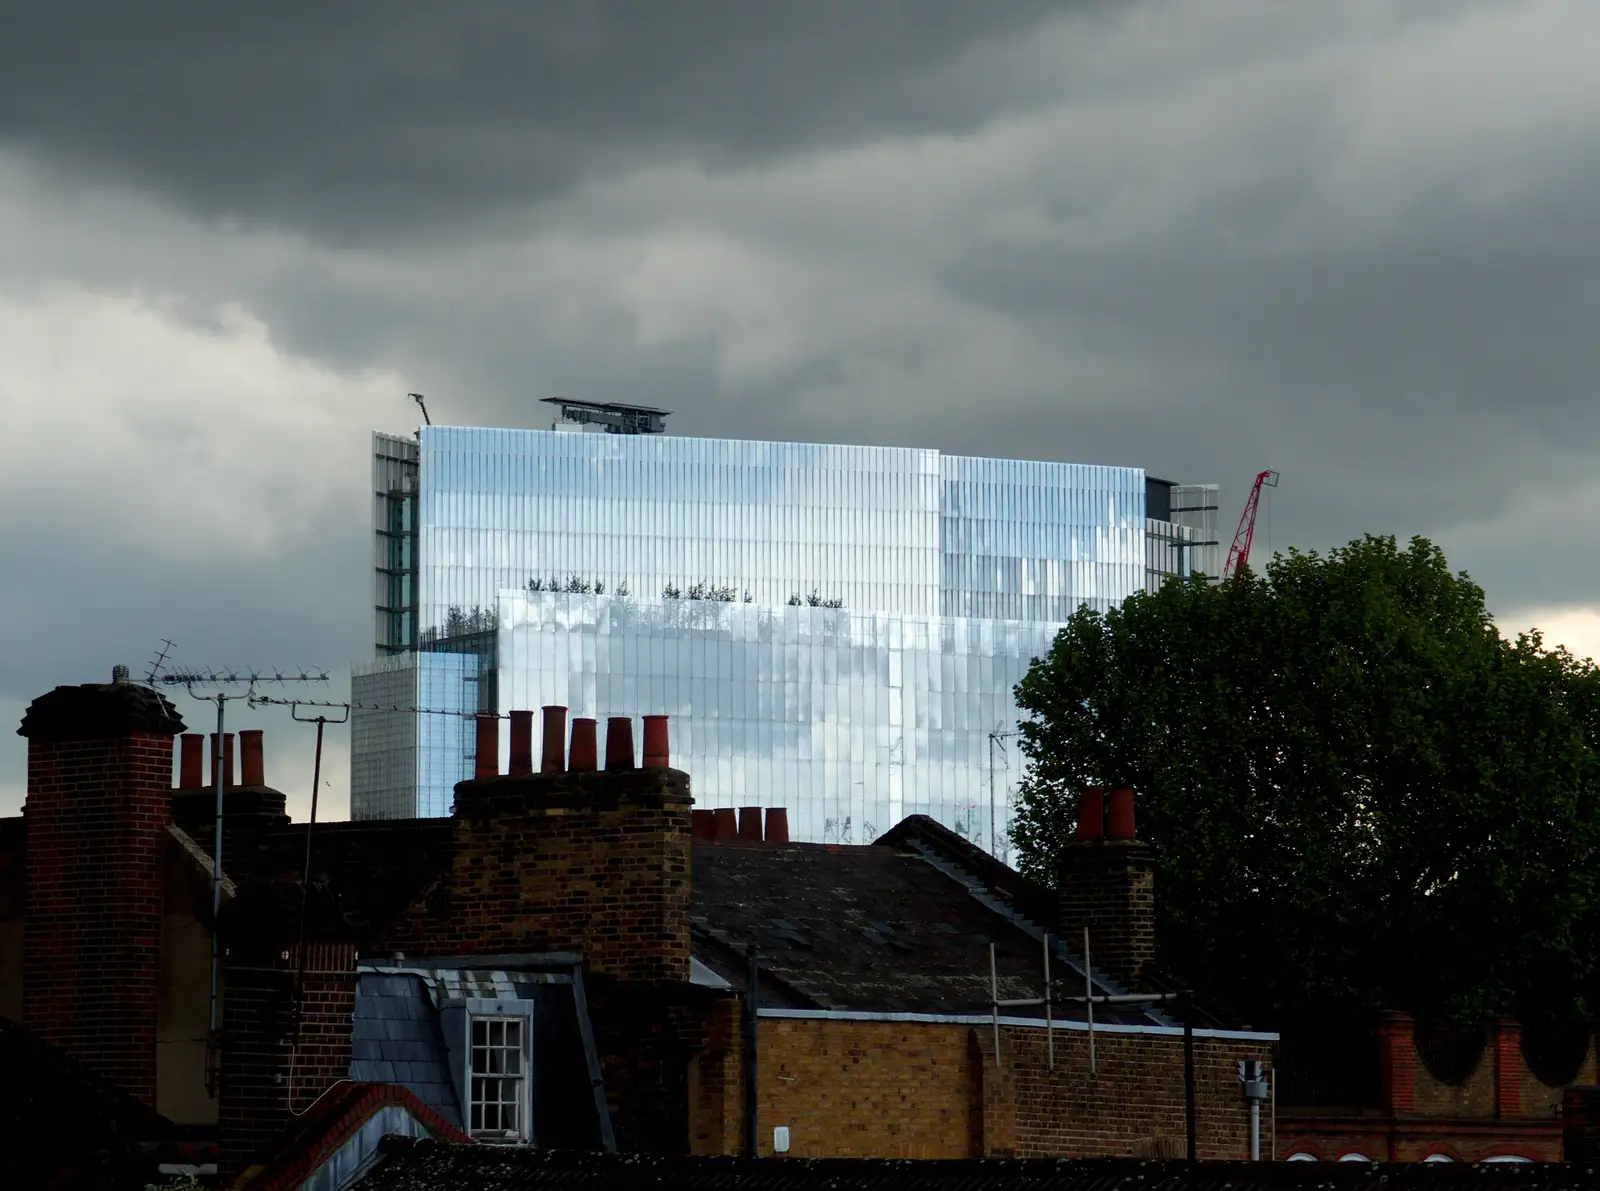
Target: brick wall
{"points": [[715, 1082], [932, 1090], [1108, 886], [1328, 1137], [647, 1036], [590, 862], [1500, 1107], [1131, 1103], [265, 1074], [855, 1089], [97, 814]]}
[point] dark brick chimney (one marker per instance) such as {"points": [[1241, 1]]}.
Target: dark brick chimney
{"points": [[97, 810], [286, 1024], [590, 861], [1106, 882]]}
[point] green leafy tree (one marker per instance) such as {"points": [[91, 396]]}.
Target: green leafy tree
{"points": [[1360, 796]]}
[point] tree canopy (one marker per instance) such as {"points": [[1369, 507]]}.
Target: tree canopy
{"points": [[1359, 794]]}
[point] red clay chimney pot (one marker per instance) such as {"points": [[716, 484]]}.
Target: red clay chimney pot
{"points": [[252, 765], [703, 824], [1091, 813], [655, 742], [777, 825], [192, 761], [583, 757], [1119, 814], [521, 759], [554, 756], [727, 822], [750, 823], [488, 754], [619, 742]]}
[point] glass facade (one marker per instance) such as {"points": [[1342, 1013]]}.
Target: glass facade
{"points": [[835, 629], [851, 720], [406, 764]]}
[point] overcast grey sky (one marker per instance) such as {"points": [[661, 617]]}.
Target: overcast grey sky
{"points": [[1356, 242]]}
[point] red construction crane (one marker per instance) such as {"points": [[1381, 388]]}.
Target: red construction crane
{"points": [[1239, 552]]}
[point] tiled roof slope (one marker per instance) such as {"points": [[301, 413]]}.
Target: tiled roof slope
{"points": [[329, 1123], [62, 1126], [873, 928], [407, 1165]]}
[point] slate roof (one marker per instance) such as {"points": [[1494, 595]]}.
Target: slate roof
{"points": [[902, 925], [395, 1039], [406, 1165], [376, 867], [877, 928]]}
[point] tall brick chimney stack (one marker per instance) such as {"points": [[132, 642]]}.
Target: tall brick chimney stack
{"points": [[97, 812], [588, 860], [1106, 882]]}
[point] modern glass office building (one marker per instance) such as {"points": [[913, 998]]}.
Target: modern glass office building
{"points": [[834, 629]]}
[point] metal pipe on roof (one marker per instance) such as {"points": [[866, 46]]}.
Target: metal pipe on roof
{"points": [[1188, 1074], [994, 1003], [752, 1122], [1088, 996], [1049, 1025]]}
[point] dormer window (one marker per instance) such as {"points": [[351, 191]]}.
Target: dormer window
{"points": [[499, 1078]]}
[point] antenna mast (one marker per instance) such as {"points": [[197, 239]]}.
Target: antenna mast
{"points": [[417, 397], [189, 679]]}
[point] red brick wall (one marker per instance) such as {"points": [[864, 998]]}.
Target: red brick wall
{"points": [[264, 1077], [1327, 1137], [97, 813], [1499, 1108]]}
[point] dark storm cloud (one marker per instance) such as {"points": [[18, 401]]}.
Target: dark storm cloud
{"points": [[1355, 242], [354, 118]]}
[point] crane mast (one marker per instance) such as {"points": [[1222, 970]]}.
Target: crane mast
{"points": [[1239, 552]]}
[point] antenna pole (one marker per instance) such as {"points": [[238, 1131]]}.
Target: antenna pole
{"points": [[212, 1043], [994, 840], [188, 679], [417, 397]]}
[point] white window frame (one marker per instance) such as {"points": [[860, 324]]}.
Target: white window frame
{"points": [[494, 1052], [456, 1016]]}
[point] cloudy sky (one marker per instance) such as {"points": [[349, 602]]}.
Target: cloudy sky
{"points": [[1356, 242]]}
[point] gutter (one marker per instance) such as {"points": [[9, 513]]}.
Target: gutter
{"points": [[984, 1019]]}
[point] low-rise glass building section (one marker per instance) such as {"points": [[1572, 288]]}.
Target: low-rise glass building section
{"points": [[851, 720], [835, 629], [405, 764]]}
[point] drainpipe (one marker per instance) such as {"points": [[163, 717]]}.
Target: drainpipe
{"points": [[1188, 1078], [752, 1003], [1255, 1091]]}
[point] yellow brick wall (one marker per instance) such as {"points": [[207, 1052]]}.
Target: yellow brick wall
{"points": [[854, 1089]]}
